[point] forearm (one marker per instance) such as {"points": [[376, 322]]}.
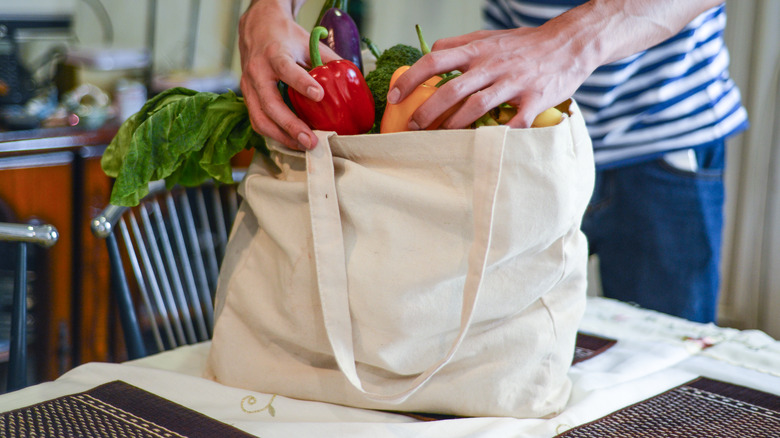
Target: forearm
{"points": [[604, 31]]}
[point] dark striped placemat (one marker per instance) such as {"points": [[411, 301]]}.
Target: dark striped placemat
{"points": [[703, 408], [589, 346], [114, 409]]}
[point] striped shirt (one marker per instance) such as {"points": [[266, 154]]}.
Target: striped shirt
{"points": [[675, 95]]}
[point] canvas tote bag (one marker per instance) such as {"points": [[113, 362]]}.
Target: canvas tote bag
{"points": [[436, 271]]}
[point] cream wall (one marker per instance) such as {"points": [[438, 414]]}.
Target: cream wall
{"points": [[386, 23], [392, 22], [213, 40]]}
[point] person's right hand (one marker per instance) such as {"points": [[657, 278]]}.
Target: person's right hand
{"points": [[274, 47]]}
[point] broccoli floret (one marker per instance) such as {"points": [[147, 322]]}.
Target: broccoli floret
{"points": [[379, 79], [398, 55]]}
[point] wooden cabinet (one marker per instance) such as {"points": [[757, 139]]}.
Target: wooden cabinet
{"points": [[93, 307], [54, 176]]}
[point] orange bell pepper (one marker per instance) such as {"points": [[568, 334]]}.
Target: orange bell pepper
{"points": [[397, 116]]}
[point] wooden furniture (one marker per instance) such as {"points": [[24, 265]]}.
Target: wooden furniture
{"points": [[165, 256], [54, 176]]}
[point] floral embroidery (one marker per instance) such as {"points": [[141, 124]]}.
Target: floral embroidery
{"points": [[251, 400]]}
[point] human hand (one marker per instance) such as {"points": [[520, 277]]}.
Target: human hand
{"points": [[532, 69], [274, 47]]}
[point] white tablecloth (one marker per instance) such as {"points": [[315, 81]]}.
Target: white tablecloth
{"points": [[654, 353]]}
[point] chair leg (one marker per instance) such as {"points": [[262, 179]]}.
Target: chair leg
{"points": [[17, 367], [127, 316]]}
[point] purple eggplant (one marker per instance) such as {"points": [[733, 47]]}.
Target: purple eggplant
{"points": [[343, 36]]}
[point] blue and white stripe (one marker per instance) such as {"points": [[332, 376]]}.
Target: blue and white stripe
{"points": [[675, 95]]}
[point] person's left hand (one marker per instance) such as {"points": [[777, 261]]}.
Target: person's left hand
{"points": [[530, 68]]}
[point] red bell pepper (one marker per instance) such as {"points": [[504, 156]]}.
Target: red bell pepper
{"points": [[347, 106]]}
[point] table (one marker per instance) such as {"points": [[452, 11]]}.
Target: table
{"points": [[653, 354]]}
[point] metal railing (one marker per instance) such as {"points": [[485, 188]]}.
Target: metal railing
{"points": [[22, 235]]}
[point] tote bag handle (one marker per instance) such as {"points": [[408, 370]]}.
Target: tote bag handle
{"points": [[330, 258]]}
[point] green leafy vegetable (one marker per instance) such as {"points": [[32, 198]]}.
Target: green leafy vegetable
{"points": [[378, 80], [182, 136]]}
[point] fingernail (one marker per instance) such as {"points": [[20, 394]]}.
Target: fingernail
{"points": [[393, 96], [413, 126], [304, 141], [313, 93]]}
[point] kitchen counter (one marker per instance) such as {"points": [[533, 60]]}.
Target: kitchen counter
{"points": [[50, 139]]}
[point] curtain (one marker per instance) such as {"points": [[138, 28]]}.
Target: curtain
{"points": [[750, 290]]}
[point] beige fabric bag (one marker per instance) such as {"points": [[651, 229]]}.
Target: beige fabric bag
{"points": [[438, 271]]}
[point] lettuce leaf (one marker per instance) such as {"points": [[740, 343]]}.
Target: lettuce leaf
{"points": [[182, 136]]}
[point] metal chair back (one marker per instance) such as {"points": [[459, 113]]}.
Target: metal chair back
{"points": [[22, 235], [165, 256]]}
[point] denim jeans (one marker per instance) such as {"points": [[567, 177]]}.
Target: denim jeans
{"points": [[657, 231]]}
